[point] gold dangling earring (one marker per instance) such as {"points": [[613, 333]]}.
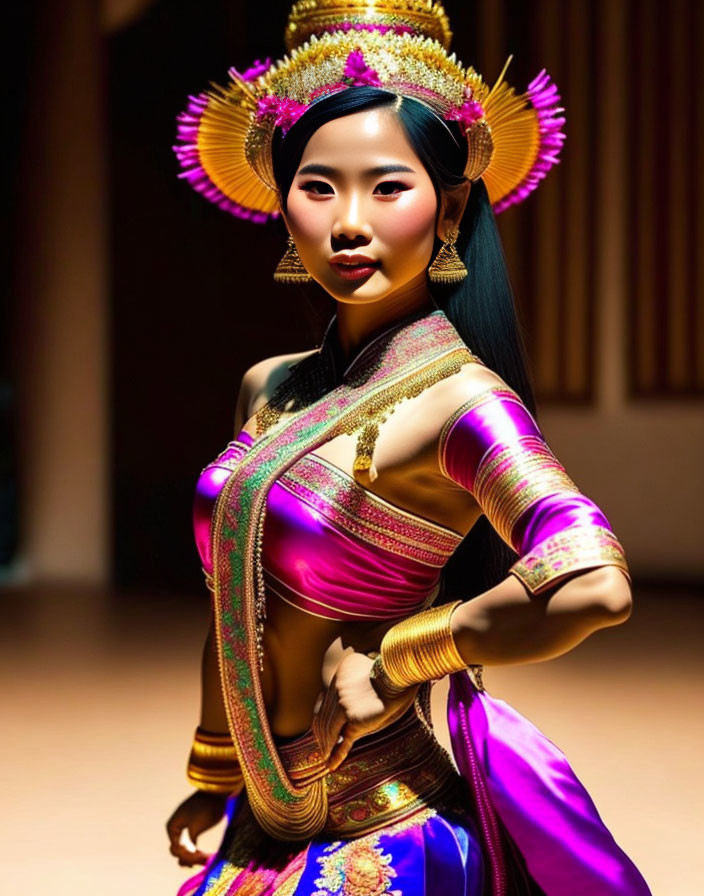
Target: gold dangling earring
{"points": [[447, 266], [290, 269]]}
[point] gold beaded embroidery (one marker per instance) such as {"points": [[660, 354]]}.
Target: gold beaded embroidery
{"points": [[408, 362], [358, 868], [576, 548], [308, 17], [368, 516], [390, 777]]}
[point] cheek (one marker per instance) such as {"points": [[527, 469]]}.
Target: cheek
{"points": [[408, 230], [307, 218]]}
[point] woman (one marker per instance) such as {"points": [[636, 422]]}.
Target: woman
{"points": [[357, 469]]}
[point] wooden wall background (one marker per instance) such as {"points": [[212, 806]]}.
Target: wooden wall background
{"points": [[665, 199], [553, 242]]}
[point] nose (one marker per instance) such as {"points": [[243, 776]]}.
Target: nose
{"points": [[351, 224]]}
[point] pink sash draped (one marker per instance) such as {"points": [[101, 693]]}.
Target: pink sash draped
{"points": [[524, 779]]}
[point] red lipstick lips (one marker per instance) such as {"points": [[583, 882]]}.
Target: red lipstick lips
{"points": [[353, 267]]}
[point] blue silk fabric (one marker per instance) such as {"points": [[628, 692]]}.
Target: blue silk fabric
{"points": [[435, 855]]}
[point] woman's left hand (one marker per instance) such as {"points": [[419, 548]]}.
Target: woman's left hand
{"points": [[350, 708]]}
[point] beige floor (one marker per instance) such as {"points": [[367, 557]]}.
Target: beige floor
{"points": [[101, 699]]}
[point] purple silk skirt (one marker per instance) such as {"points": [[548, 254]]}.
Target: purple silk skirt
{"points": [[436, 856]]}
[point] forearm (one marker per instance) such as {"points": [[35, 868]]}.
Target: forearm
{"points": [[509, 625], [212, 712]]}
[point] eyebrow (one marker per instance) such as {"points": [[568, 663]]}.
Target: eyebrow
{"points": [[328, 171]]}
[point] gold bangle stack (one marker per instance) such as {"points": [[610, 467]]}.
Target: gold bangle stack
{"points": [[213, 764], [381, 682], [420, 648]]}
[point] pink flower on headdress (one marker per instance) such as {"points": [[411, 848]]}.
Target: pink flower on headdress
{"points": [[253, 72], [357, 73], [286, 111], [469, 112]]}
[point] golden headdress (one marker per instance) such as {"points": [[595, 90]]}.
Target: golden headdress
{"points": [[401, 46]]}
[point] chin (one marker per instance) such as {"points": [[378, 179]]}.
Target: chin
{"points": [[355, 295], [359, 298], [363, 294]]}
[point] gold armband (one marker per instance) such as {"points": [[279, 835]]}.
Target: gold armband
{"points": [[420, 648], [213, 764]]}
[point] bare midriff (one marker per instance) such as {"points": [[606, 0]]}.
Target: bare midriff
{"points": [[301, 654]]}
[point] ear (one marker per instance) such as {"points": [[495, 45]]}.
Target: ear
{"points": [[452, 205]]}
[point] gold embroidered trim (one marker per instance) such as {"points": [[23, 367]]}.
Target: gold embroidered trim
{"points": [[357, 510], [231, 461], [366, 422], [574, 549], [358, 868], [252, 854], [410, 362], [290, 885], [385, 402], [389, 777]]}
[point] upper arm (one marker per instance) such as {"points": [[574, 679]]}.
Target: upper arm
{"points": [[493, 447], [259, 383]]}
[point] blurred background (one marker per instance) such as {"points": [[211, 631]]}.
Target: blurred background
{"points": [[130, 309]]}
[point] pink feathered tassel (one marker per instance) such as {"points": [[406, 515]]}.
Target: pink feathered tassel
{"points": [[188, 157], [544, 98]]}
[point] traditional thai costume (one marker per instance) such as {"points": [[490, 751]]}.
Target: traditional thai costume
{"points": [[272, 516]]}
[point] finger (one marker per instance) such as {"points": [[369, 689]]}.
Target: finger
{"points": [[334, 732], [186, 850], [188, 840], [174, 826], [330, 703], [343, 747], [326, 720], [188, 860], [186, 856]]}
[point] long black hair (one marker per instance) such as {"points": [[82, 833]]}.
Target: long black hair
{"points": [[480, 307]]}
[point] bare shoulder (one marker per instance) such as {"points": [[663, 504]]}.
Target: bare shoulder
{"points": [[422, 426], [471, 380], [260, 381]]}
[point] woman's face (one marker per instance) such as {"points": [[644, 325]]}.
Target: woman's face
{"points": [[361, 194]]}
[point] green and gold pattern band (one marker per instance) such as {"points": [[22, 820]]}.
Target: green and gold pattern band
{"points": [[412, 358]]}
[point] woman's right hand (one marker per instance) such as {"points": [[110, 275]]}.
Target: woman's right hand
{"points": [[199, 812]]}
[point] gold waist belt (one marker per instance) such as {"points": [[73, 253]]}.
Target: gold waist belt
{"points": [[388, 777]]}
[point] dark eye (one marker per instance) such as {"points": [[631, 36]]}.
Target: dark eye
{"points": [[390, 187], [317, 187]]}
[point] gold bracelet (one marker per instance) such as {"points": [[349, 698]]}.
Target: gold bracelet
{"points": [[381, 682], [213, 764], [420, 648]]}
